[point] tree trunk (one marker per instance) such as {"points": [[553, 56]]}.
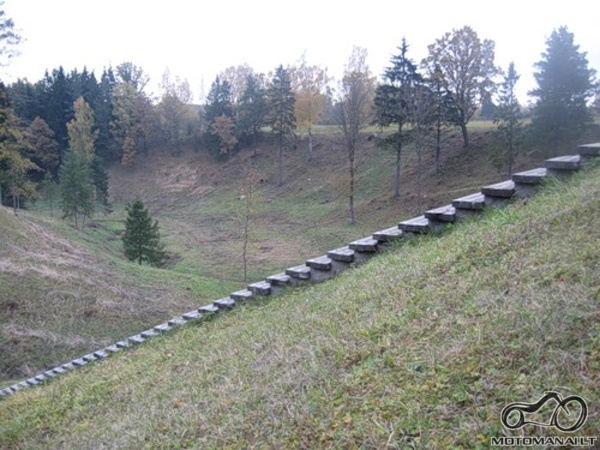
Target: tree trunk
{"points": [[351, 196], [280, 160], [398, 154], [310, 144], [465, 134], [397, 188], [438, 147], [245, 249]]}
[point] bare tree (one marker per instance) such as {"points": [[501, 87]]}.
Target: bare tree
{"points": [[423, 113], [355, 109], [245, 210]]}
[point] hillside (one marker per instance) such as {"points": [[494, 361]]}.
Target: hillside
{"points": [[67, 292], [423, 346]]}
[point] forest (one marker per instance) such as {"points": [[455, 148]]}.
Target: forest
{"points": [[60, 133]]}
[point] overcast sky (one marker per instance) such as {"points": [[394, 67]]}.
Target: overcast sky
{"points": [[198, 39]]}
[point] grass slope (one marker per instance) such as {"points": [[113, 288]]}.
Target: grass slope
{"points": [[421, 347], [64, 292]]}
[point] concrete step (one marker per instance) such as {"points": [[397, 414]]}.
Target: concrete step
{"points": [[416, 225], [322, 263], [224, 303], [242, 295], [32, 382], [100, 354], [113, 348], [279, 279], [260, 288], [588, 151], [324, 268], [498, 194], [469, 205], [533, 176], [388, 235], [278, 282], [527, 182], [176, 321], [212, 308], [445, 213], [137, 339], [504, 190], [364, 249], [191, 315], [163, 327], [147, 334], [342, 254], [562, 166], [298, 273], [90, 357], [365, 245]]}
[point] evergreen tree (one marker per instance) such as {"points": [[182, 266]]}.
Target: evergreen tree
{"points": [[99, 179], [281, 119], [394, 102], [508, 118], [565, 83], [57, 100], [218, 107], [444, 112], [103, 113], [252, 110], [78, 182], [218, 101], [141, 240], [76, 188]]}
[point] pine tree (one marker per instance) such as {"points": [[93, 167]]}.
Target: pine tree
{"points": [[252, 110], [76, 181], [100, 179], [218, 108], [76, 188], [565, 83], [281, 118], [141, 240], [394, 102], [508, 118]]}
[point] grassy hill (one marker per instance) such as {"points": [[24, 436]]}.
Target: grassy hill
{"points": [[422, 347], [66, 292]]}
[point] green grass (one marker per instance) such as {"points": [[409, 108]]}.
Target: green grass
{"points": [[421, 347], [74, 292]]}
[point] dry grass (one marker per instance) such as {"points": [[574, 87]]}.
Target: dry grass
{"points": [[420, 348]]}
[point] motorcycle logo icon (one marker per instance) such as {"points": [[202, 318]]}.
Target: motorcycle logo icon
{"points": [[508, 413]]}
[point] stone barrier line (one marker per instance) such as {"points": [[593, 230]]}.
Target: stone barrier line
{"points": [[321, 268]]}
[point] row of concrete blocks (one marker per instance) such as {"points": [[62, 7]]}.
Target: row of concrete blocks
{"points": [[327, 266]]}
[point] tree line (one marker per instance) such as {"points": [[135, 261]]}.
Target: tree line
{"points": [[61, 131]]}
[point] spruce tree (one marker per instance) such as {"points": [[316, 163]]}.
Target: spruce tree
{"points": [[508, 118], [75, 187], [394, 102], [565, 83], [281, 119], [141, 240]]}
